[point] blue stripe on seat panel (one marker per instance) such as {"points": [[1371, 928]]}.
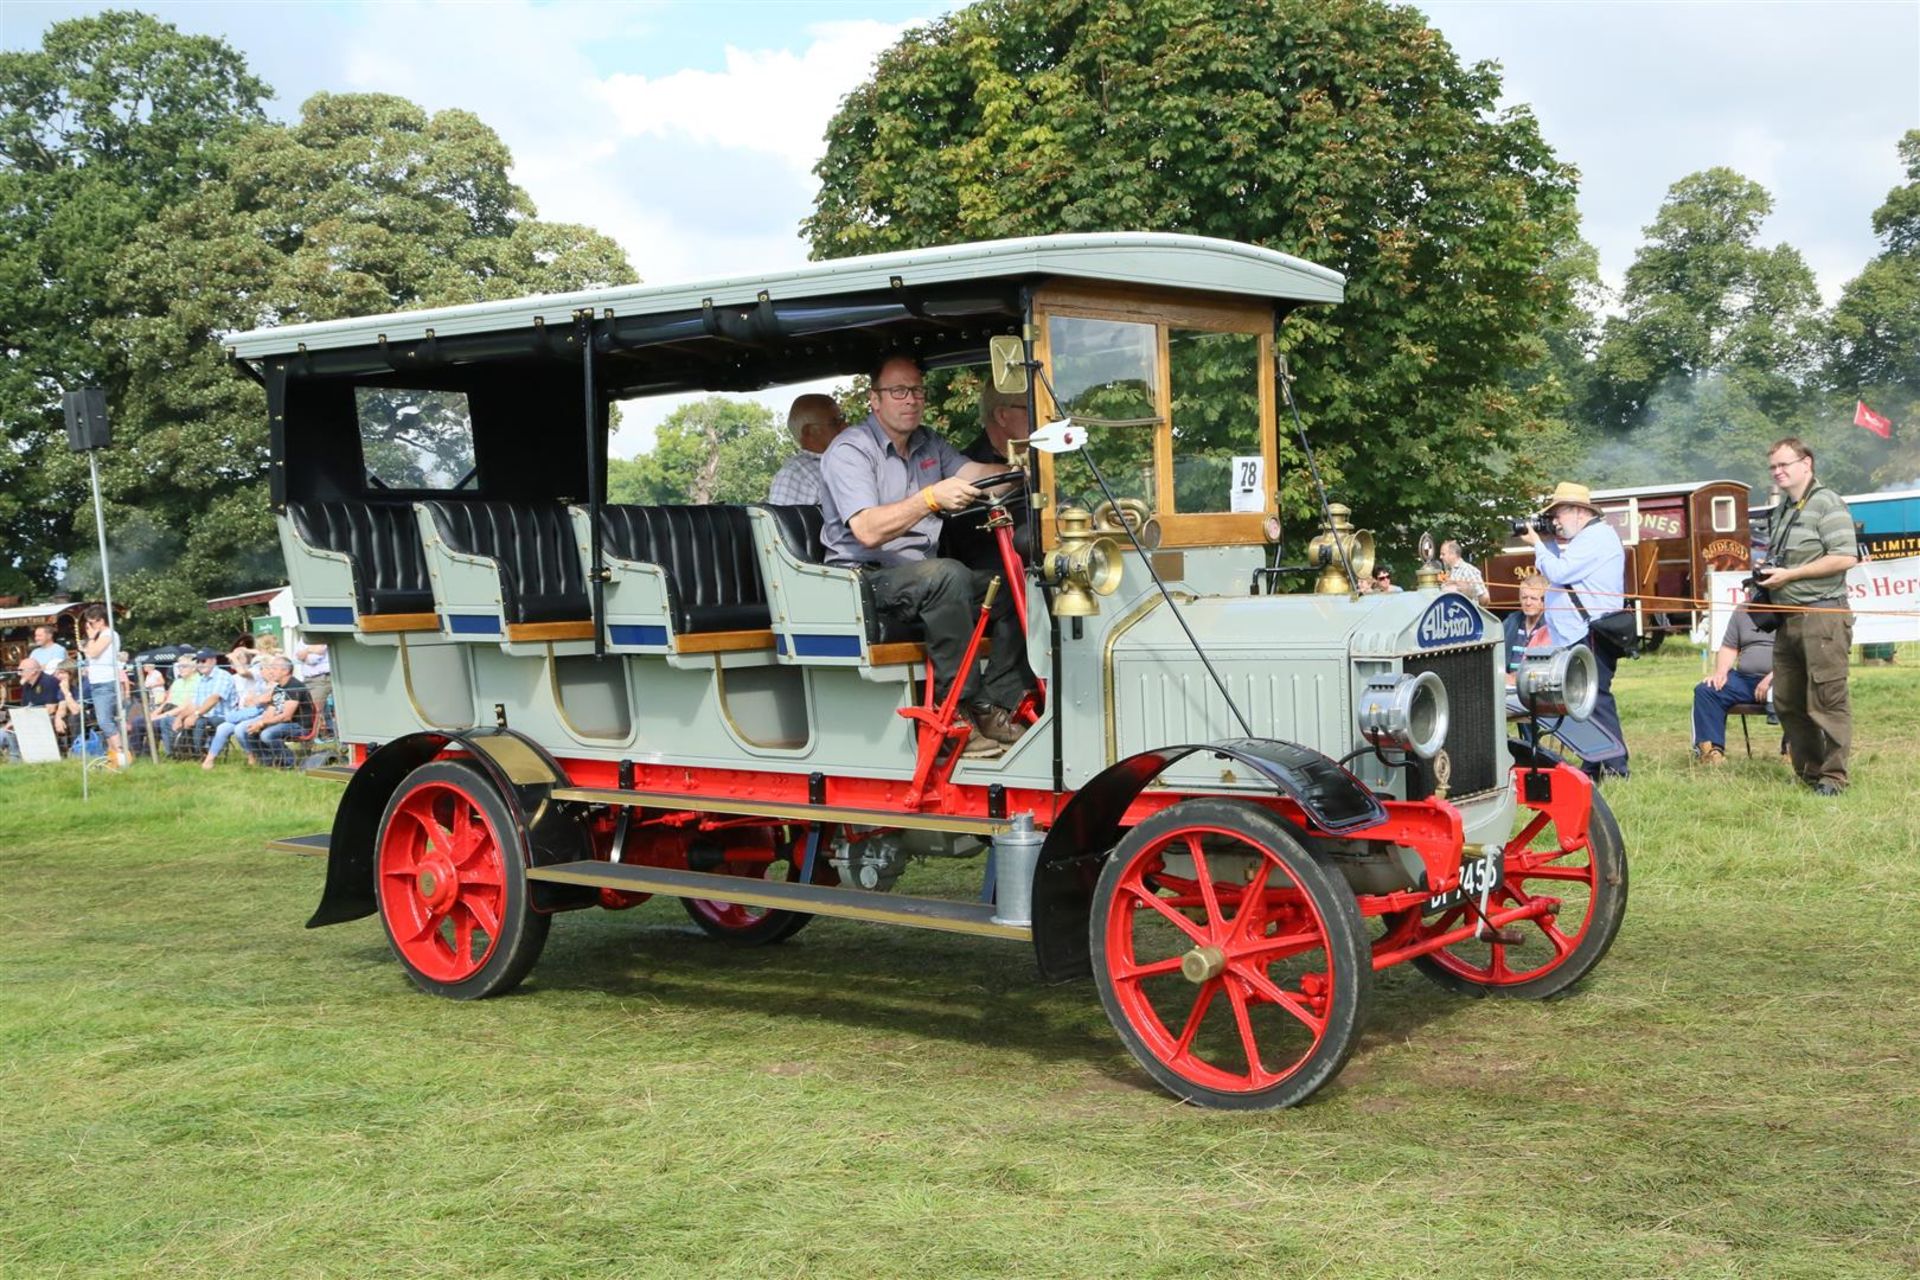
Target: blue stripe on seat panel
{"points": [[826, 646], [328, 615], [656, 636], [473, 624]]}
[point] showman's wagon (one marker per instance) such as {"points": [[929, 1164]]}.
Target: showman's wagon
{"points": [[1234, 802]]}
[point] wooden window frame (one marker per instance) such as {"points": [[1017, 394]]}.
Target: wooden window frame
{"points": [[1165, 310]]}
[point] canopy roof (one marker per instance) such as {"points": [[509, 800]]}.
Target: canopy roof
{"points": [[776, 300], [1677, 489]]}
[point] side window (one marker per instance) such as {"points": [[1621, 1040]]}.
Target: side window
{"points": [[413, 439], [1724, 515], [1107, 375], [1216, 418]]}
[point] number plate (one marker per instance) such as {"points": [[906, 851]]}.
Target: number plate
{"points": [[1481, 875]]}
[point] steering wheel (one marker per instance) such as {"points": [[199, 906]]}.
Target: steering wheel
{"points": [[1006, 479]]}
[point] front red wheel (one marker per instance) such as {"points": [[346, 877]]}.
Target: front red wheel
{"points": [[1234, 968], [1581, 888], [450, 883]]}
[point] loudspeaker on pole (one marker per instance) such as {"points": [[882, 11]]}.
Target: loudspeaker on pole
{"points": [[87, 427]]}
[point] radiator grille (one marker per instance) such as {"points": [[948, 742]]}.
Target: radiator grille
{"points": [[1478, 715]]}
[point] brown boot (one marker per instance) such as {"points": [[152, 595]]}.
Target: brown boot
{"points": [[990, 720], [1709, 753]]}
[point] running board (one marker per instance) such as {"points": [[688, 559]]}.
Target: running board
{"points": [[787, 812], [332, 772], [942, 914], [313, 846]]}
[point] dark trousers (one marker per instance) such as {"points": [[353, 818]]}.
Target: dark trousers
{"points": [[1810, 652], [1606, 712], [944, 597], [1710, 705]]}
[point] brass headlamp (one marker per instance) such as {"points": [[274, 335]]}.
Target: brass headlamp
{"points": [[1083, 565], [1325, 550]]}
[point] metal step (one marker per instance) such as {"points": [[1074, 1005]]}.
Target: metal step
{"points": [[314, 846], [788, 812], [332, 772], [947, 916]]}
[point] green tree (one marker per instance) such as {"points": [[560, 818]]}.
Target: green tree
{"points": [[367, 204], [1702, 298], [1343, 131], [113, 119], [1874, 348], [713, 450]]}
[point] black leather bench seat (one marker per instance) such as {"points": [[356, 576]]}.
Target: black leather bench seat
{"points": [[541, 578], [705, 554], [800, 530], [383, 541]]}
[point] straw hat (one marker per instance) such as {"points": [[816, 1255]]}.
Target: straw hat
{"points": [[1569, 494]]}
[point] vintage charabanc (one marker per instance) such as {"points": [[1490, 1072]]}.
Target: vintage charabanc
{"points": [[1245, 787]]}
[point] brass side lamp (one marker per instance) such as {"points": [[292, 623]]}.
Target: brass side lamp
{"points": [[1325, 550]]}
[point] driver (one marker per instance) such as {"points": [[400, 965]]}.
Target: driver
{"points": [[886, 482]]}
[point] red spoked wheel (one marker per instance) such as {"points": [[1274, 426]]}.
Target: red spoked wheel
{"points": [[450, 883], [746, 926], [1585, 889], [1234, 968]]}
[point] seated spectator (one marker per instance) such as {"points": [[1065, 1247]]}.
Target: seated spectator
{"points": [[263, 738], [175, 703], [1742, 672], [248, 702], [314, 669], [40, 689], [1526, 627], [212, 693], [142, 720]]}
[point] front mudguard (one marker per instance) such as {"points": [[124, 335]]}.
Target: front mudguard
{"points": [[1333, 800], [520, 771]]}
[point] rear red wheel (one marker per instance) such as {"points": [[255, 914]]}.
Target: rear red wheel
{"points": [[747, 926], [1585, 890], [1234, 968], [450, 883]]}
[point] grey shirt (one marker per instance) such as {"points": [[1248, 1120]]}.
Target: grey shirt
{"points": [[862, 469], [1754, 646]]}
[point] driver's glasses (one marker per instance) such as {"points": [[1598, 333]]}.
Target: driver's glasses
{"points": [[902, 392]]}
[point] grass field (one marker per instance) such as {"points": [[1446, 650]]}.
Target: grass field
{"points": [[192, 1084]]}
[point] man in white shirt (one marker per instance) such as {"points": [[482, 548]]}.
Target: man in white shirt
{"points": [[1586, 570], [50, 654], [814, 420], [1461, 576]]}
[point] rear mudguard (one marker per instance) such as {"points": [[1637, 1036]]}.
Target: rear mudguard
{"points": [[1090, 825], [520, 771]]}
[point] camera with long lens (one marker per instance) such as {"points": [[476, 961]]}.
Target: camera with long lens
{"points": [[1542, 525]]}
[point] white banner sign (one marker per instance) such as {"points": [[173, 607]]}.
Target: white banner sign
{"points": [[1885, 596]]}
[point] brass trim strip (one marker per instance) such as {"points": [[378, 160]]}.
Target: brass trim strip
{"points": [[939, 914], [1120, 628], [314, 846], [332, 773], [787, 812]]}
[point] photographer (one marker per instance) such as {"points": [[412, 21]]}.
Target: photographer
{"points": [[1587, 573], [1811, 546]]}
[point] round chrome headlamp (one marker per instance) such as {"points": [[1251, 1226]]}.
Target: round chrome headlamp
{"points": [[1405, 712], [1565, 682]]}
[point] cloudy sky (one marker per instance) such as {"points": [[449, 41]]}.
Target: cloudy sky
{"points": [[687, 130]]}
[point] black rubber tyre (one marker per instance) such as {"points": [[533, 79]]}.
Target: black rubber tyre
{"points": [[1605, 911], [1295, 954], [452, 887]]}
